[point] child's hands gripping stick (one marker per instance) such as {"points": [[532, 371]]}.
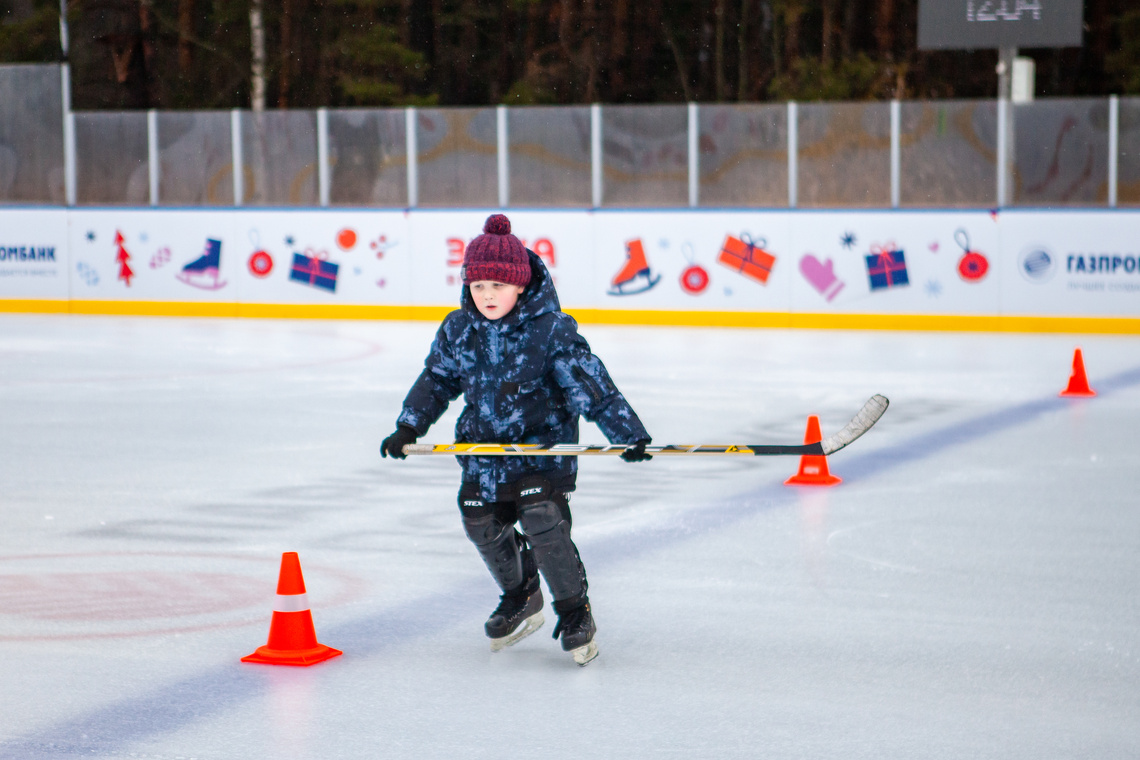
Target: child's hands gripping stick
{"points": [[393, 445], [636, 452]]}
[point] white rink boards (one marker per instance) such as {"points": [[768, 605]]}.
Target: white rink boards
{"points": [[1013, 263]]}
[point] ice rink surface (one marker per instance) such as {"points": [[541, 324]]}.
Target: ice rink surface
{"points": [[972, 588]]}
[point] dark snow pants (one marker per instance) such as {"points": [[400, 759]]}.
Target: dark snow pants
{"points": [[543, 513]]}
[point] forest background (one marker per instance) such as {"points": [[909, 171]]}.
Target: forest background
{"points": [[198, 54]]}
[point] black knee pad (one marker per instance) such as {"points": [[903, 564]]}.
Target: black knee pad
{"points": [[483, 521], [490, 526], [540, 506], [545, 517]]}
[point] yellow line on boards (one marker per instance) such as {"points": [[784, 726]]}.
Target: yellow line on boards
{"points": [[343, 311], [36, 306], [662, 317]]}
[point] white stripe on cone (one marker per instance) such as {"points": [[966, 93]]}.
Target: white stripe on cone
{"points": [[291, 603]]}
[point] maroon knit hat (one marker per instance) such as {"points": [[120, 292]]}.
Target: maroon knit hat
{"points": [[496, 255]]}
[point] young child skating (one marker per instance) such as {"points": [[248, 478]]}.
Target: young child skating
{"points": [[526, 375]]}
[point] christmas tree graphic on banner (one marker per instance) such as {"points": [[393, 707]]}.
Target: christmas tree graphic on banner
{"points": [[122, 257]]}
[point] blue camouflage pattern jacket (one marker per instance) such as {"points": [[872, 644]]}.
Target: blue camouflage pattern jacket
{"points": [[525, 378]]}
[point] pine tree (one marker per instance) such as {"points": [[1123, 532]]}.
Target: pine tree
{"points": [[122, 257]]}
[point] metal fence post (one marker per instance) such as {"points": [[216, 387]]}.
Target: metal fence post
{"points": [[596, 155], [152, 164], [896, 127], [503, 156], [1002, 152], [69, 172], [412, 155], [793, 151], [1113, 147], [694, 157], [323, 156], [235, 151]]}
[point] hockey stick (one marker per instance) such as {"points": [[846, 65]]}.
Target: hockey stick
{"points": [[859, 424]]}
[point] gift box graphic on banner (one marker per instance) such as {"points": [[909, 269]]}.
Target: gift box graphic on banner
{"points": [[886, 267], [314, 270], [748, 257]]}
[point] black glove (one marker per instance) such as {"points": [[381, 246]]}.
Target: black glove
{"points": [[393, 445], [636, 452]]}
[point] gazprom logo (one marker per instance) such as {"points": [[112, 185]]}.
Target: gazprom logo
{"points": [[1037, 264]]}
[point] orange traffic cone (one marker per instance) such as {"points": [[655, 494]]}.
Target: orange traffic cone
{"points": [[292, 638], [813, 467], [1078, 382]]}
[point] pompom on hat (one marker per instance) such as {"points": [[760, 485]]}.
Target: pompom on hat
{"points": [[496, 255]]}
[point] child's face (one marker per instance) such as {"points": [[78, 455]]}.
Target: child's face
{"points": [[495, 300]]}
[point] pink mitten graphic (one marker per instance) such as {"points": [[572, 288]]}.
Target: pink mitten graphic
{"points": [[820, 276]]}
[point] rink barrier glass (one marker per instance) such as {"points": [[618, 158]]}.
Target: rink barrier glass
{"points": [[1057, 150], [549, 156], [1060, 152], [1128, 153], [279, 158], [195, 155], [111, 165], [743, 155], [948, 153], [645, 156], [368, 157], [31, 134], [656, 317], [457, 157], [844, 155]]}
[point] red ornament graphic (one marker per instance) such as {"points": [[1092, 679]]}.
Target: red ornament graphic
{"points": [[346, 238], [972, 267], [260, 264], [694, 280]]}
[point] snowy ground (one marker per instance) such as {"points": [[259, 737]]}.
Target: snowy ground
{"points": [[970, 590]]}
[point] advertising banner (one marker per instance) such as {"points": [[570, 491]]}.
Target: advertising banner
{"points": [[1071, 263], [707, 261], [896, 263], [323, 257], [135, 255], [969, 263], [33, 254], [563, 240]]}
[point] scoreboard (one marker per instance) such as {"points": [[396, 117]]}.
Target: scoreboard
{"points": [[967, 24]]}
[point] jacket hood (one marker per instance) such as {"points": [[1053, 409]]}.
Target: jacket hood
{"points": [[538, 298]]}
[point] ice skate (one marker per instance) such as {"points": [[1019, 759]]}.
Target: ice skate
{"points": [[577, 628], [517, 616], [202, 272], [635, 276]]}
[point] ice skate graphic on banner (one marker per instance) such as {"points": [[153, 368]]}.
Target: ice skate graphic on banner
{"points": [[747, 256], [202, 272], [313, 268], [972, 267], [636, 276], [886, 267], [820, 275], [122, 257]]}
